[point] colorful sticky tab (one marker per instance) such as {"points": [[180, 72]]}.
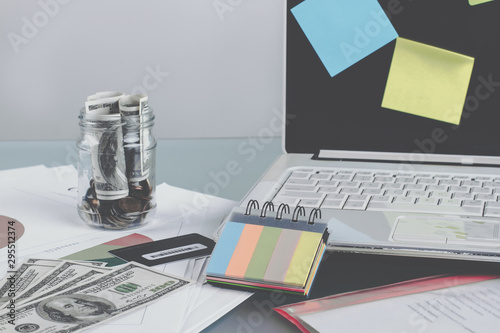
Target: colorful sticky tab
{"points": [[244, 251], [225, 248], [302, 260], [477, 2], [343, 32], [258, 253], [427, 81]]}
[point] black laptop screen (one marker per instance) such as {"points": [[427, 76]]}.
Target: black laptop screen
{"points": [[344, 111]]}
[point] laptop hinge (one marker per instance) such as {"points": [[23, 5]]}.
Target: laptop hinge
{"points": [[412, 158]]}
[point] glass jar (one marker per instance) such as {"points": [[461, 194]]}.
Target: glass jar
{"points": [[116, 169]]}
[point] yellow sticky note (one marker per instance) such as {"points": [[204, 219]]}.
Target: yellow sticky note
{"points": [[477, 2], [427, 81]]}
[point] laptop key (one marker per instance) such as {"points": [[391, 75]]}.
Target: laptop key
{"points": [[355, 205], [298, 194], [493, 204], [485, 197], [334, 204], [429, 209], [450, 202], [381, 198], [310, 203], [301, 181], [308, 188], [298, 174], [492, 212], [404, 200], [472, 203], [286, 200], [350, 190]]}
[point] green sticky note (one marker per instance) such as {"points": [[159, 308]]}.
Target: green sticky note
{"points": [[427, 81], [477, 2]]}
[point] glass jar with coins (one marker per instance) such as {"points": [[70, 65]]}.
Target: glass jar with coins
{"points": [[116, 169]]}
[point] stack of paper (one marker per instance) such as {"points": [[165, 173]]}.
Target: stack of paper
{"points": [[44, 201]]}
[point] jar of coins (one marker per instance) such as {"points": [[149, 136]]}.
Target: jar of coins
{"points": [[116, 169]]}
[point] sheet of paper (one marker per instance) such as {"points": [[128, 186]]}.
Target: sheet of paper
{"points": [[44, 200], [343, 32], [477, 2], [428, 81]]}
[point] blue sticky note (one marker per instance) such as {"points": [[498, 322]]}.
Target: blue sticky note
{"points": [[224, 249], [343, 32]]}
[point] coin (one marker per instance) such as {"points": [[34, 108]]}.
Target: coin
{"points": [[129, 205]]}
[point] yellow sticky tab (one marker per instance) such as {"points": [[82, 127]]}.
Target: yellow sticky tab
{"points": [[428, 81], [477, 2], [302, 259]]}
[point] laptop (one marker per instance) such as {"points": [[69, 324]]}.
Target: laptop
{"points": [[391, 181]]}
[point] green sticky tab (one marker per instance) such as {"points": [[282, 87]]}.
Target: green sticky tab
{"points": [[263, 253]]}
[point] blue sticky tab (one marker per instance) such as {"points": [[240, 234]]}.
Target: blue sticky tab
{"points": [[224, 248], [342, 32]]}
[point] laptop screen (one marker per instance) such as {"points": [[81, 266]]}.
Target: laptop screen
{"points": [[393, 76]]}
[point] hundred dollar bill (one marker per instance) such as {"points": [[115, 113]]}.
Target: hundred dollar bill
{"points": [[125, 289], [62, 273], [82, 279], [16, 282], [137, 159], [55, 262]]}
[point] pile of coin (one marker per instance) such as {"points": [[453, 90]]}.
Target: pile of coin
{"points": [[126, 212], [120, 193]]}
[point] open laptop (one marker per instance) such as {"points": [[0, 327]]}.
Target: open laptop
{"points": [[435, 185]]}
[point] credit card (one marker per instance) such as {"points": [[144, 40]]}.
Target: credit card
{"points": [[167, 250]]}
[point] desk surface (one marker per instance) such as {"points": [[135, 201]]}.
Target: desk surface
{"points": [[199, 165]]}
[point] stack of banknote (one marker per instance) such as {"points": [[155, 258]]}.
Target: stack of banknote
{"points": [[45, 295]]}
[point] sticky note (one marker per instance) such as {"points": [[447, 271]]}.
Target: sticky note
{"points": [[477, 2], [428, 81], [225, 248], [343, 32], [244, 251]]}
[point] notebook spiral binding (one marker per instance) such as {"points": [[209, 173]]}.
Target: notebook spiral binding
{"points": [[282, 208]]}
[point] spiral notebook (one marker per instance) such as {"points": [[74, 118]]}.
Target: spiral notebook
{"points": [[260, 249]]}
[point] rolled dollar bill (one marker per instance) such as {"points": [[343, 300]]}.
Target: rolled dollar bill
{"points": [[137, 159], [121, 291], [105, 102], [103, 133]]}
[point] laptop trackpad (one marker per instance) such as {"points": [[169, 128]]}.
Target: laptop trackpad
{"points": [[442, 230]]}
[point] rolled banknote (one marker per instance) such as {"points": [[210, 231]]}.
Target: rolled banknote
{"points": [[137, 159], [103, 134], [105, 102]]}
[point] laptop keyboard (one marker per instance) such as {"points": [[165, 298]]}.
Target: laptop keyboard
{"points": [[393, 191]]}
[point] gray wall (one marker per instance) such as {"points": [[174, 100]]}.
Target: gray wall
{"points": [[211, 68]]}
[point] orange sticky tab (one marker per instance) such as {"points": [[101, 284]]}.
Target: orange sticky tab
{"points": [[244, 251]]}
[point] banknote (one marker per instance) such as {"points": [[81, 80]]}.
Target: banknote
{"points": [[85, 278], [137, 159], [125, 289], [103, 103], [62, 273], [55, 262], [18, 281]]}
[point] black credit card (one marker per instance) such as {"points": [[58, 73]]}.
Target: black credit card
{"points": [[167, 250]]}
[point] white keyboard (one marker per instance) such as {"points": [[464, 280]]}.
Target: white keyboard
{"points": [[387, 191]]}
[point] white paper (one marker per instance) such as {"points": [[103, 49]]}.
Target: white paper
{"points": [[44, 200], [469, 308]]}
